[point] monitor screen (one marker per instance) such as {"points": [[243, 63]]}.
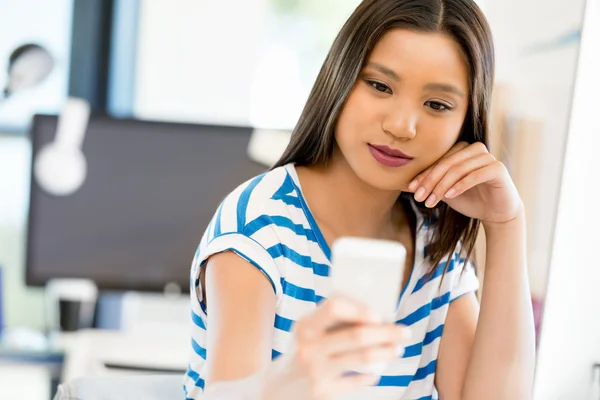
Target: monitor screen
{"points": [[150, 191]]}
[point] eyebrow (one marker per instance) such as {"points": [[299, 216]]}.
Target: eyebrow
{"points": [[442, 87], [384, 70]]}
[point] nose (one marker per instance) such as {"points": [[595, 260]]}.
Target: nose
{"points": [[401, 122]]}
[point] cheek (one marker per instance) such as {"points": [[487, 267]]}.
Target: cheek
{"points": [[351, 117], [439, 137]]}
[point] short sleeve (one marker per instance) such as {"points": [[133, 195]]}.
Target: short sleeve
{"points": [[250, 250], [466, 280], [244, 246], [242, 225]]}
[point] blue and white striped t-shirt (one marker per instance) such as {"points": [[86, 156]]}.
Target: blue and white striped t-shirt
{"points": [[267, 222]]}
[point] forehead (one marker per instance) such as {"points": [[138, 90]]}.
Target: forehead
{"points": [[427, 57]]}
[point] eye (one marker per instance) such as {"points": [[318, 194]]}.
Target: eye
{"points": [[380, 87], [437, 106]]}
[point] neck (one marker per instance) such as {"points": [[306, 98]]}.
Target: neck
{"points": [[348, 206]]}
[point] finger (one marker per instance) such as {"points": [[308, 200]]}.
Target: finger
{"points": [[414, 184], [362, 337], [475, 178], [427, 184], [440, 168], [336, 310], [455, 174]]}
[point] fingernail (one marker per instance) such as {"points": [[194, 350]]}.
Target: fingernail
{"points": [[430, 201], [450, 193], [400, 350], [413, 185], [419, 193]]}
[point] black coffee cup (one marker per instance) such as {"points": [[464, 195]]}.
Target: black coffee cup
{"points": [[75, 315]]}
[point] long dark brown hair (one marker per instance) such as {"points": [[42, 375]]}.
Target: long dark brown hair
{"points": [[313, 137]]}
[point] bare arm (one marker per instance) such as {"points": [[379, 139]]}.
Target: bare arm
{"points": [[492, 358], [241, 308], [456, 347], [503, 358]]}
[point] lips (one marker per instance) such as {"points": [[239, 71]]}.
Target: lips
{"points": [[389, 157], [390, 152]]}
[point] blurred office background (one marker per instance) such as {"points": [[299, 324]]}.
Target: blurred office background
{"points": [[174, 87]]}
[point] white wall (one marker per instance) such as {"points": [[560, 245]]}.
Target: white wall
{"points": [[570, 341], [233, 61], [195, 59], [541, 86]]}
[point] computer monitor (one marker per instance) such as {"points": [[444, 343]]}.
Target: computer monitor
{"points": [[150, 192]]}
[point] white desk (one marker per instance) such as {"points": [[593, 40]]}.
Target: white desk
{"points": [[88, 352]]}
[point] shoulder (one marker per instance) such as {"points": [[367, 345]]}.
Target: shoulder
{"points": [[256, 202], [256, 214], [246, 223]]}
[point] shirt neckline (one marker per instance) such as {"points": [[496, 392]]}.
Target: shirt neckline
{"points": [[419, 245]]}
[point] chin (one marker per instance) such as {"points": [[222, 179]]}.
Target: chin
{"points": [[382, 178]]}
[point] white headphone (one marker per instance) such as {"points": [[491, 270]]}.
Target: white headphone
{"points": [[60, 167]]}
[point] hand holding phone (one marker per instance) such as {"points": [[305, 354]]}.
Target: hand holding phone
{"points": [[369, 272], [356, 323], [329, 344]]}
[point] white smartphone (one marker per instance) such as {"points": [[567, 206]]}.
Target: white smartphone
{"points": [[370, 272]]}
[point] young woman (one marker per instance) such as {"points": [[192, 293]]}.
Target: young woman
{"points": [[391, 145]]}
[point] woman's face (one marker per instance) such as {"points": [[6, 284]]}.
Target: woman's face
{"points": [[412, 96]]}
